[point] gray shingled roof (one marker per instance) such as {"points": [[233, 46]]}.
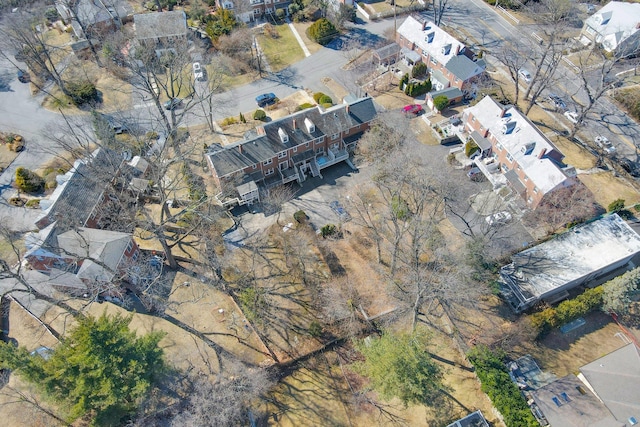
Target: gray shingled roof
{"points": [[74, 200], [616, 380], [246, 153], [160, 24], [464, 68], [573, 408]]}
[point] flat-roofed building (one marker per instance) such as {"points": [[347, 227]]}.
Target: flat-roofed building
{"points": [[577, 257]]}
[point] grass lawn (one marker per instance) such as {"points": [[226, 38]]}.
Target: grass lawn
{"points": [[606, 188], [282, 51]]}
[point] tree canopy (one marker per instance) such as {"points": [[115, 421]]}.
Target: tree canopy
{"points": [[398, 366], [322, 31], [101, 367], [622, 293]]}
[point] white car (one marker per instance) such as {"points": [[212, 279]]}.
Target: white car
{"points": [[524, 75], [572, 116], [197, 71], [498, 218]]}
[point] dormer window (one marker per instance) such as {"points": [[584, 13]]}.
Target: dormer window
{"points": [[429, 37], [311, 128], [283, 135], [446, 49]]}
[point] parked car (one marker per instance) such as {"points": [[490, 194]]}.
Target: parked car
{"points": [[23, 76], [557, 101], [475, 174], [342, 213], [498, 218], [172, 104], [412, 109], [265, 99], [572, 116], [524, 75], [197, 71]]}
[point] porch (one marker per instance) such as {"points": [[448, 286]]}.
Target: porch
{"points": [[331, 158]]}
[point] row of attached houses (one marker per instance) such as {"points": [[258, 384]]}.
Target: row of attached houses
{"points": [[290, 149], [254, 9], [514, 152], [451, 64]]}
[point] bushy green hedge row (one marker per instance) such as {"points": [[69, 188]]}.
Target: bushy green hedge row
{"points": [[417, 89], [568, 310], [503, 392]]}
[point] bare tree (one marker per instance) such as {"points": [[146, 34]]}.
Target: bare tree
{"points": [[514, 60], [227, 400], [439, 8], [24, 33], [594, 81]]}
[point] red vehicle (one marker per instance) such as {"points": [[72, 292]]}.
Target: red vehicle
{"points": [[413, 109]]}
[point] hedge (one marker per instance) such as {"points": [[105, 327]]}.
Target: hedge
{"points": [[503, 392], [322, 31], [568, 310]]}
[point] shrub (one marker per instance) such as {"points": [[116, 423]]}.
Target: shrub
{"points": [[28, 181], [242, 119], [326, 99], [317, 96], [440, 102], [403, 81], [305, 106], [33, 203], [322, 31], [280, 14], [260, 115], [328, 230], [16, 201], [315, 329], [503, 392], [616, 206], [82, 92], [152, 135], [470, 147], [417, 88], [300, 216], [325, 106], [568, 310], [229, 121], [419, 70]]}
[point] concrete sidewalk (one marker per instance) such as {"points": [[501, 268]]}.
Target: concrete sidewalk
{"points": [[300, 41]]}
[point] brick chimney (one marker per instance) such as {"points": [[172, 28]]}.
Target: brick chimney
{"points": [[293, 124], [542, 153], [240, 148]]}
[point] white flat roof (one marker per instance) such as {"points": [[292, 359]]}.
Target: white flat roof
{"points": [[577, 253], [411, 29]]}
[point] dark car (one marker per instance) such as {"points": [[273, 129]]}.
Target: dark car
{"points": [[172, 104], [265, 99], [23, 76], [342, 213]]}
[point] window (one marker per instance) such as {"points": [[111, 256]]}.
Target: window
{"points": [[318, 142], [319, 151], [256, 11], [282, 154], [295, 149], [535, 190], [269, 172], [434, 61], [267, 162], [255, 165], [509, 157], [135, 255], [530, 200], [283, 166], [335, 136], [306, 145], [499, 146], [526, 178], [129, 246]]}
